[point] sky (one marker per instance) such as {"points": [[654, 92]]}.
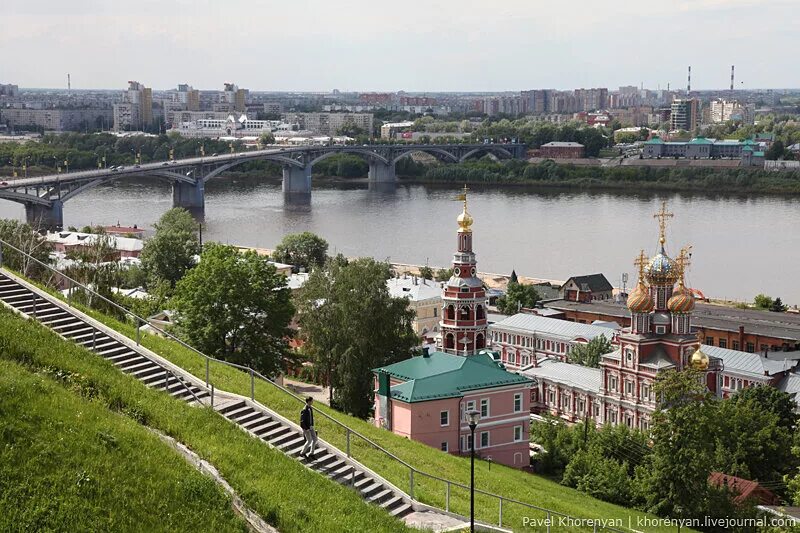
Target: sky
{"points": [[413, 45]]}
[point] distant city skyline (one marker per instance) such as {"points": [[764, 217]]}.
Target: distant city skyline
{"points": [[314, 46]]}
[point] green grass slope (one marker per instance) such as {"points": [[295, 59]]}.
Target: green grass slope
{"points": [[497, 479], [279, 489], [69, 464]]}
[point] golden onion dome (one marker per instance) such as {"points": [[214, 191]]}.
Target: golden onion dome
{"points": [[662, 270], [464, 221], [639, 300], [699, 360], [682, 300]]}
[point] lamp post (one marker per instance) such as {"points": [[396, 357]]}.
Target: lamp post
{"points": [[472, 418]]}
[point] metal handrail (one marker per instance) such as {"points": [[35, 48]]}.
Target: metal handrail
{"points": [[349, 430]]}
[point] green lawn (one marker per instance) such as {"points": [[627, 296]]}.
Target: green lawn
{"points": [[69, 464], [510, 483], [64, 445]]}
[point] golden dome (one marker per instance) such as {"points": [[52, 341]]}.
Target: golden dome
{"points": [[639, 300], [464, 221], [662, 270], [699, 360], [682, 300]]}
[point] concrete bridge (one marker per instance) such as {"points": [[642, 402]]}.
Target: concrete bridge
{"points": [[44, 196]]}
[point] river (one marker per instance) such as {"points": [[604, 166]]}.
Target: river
{"points": [[741, 245]]}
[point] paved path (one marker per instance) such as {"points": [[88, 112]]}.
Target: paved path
{"points": [[318, 392]]}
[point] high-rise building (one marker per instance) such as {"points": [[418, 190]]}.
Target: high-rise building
{"points": [[724, 110], [684, 114], [232, 94], [463, 325], [136, 109]]}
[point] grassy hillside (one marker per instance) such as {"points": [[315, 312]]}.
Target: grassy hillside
{"points": [[492, 478], [69, 464], [281, 490]]}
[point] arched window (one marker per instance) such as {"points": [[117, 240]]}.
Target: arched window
{"points": [[479, 314], [480, 341], [464, 313], [449, 341], [451, 312]]}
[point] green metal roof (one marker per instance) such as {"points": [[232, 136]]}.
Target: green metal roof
{"points": [[758, 154], [700, 140], [747, 149], [654, 140], [442, 375]]}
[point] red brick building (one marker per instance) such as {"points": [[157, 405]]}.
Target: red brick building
{"points": [[562, 150]]}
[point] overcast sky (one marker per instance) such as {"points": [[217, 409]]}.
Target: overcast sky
{"points": [[413, 45]]}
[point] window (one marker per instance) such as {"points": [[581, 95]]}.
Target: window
{"points": [[484, 439], [723, 343], [751, 347], [551, 397], [470, 407], [645, 391], [444, 446], [517, 403], [710, 341], [612, 383], [735, 345], [661, 329], [469, 442], [485, 408], [517, 433], [444, 418], [628, 387], [435, 311]]}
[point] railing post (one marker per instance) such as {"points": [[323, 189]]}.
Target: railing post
{"points": [[212, 395], [548, 522], [447, 498], [594, 526], [69, 292], [138, 333], [166, 380], [1, 254], [94, 338], [33, 301], [500, 522], [207, 363], [411, 482], [348, 442], [252, 385]]}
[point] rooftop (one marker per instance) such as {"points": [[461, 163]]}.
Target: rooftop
{"points": [[582, 377], [441, 375], [75, 238], [748, 363], [779, 325], [414, 288], [562, 144], [527, 323], [591, 283]]}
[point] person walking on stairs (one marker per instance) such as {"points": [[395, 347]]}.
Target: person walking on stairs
{"points": [[309, 433]]}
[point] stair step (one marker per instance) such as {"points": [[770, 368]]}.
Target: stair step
{"points": [[249, 418], [242, 410], [138, 365], [364, 481], [228, 408], [289, 443], [56, 316], [392, 502], [74, 324], [401, 511], [268, 426], [140, 374], [370, 488], [108, 352], [378, 497], [275, 432], [83, 336], [343, 471], [120, 357], [103, 344], [262, 421]]}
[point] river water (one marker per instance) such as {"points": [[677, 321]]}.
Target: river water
{"points": [[741, 245]]}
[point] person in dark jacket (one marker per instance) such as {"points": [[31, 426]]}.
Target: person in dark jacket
{"points": [[309, 433]]}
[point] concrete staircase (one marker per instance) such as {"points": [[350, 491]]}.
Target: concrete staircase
{"points": [[157, 373]]}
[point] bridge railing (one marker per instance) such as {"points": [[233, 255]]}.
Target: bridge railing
{"points": [[424, 487]]}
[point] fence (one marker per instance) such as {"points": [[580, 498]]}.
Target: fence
{"points": [[438, 491]]}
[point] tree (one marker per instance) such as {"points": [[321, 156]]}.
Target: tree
{"points": [[426, 272], [266, 138], [31, 242], [95, 266], [444, 274], [517, 296], [352, 325], [235, 306], [589, 354], [303, 250], [171, 252], [762, 301], [776, 151], [777, 306]]}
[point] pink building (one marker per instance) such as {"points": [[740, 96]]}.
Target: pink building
{"points": [[425, 398]]}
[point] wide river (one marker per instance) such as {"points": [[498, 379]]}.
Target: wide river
{"points": [[741, 245]]}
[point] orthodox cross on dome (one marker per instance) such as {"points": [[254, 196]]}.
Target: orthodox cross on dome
{"points": [[641, 262], [684, 259], [662, 217]]}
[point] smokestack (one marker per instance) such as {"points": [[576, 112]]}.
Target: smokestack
{"points": [[689, 82], [69, 85], [732, 79]]}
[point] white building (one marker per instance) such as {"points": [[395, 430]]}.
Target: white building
{"points": [[424, 298], [525, 339], [230, 127], [724, 110]]}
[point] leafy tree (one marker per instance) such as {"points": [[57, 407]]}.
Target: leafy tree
{"points": [[777, 306], [674, 479], [350, 129], [426, 272], [31, 242], [776, 151], [517, 296], [171, 252], [444, 274], [598, 476], [235, 306], [589, 354], [772, 400], [303, 250], [266, 138], [762, 301], [352, 325]]}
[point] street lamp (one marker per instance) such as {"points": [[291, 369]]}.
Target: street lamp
{"points": [[472, 418]]}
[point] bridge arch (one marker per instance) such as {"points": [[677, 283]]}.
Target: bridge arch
{"points": [[498, 151], [277, 158], [369, 155], [433, 150]]}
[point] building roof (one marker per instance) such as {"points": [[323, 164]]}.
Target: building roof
{"points": [[700, 140], [748, 363], [791, 385], [654, 140], [75, 238], [562, 144], [441, 375], [579, 376], [591, 283], [414, 288], [744, 488], [533, 324], [778, 325]]}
